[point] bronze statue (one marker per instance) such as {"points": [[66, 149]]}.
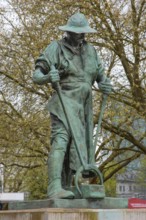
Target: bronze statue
{"points": [[75, 64]]}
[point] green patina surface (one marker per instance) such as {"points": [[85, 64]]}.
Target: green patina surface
{"points": [[106, 203], [72, 66]]}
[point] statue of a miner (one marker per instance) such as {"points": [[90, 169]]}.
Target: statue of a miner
{"points": [[75, 64]]}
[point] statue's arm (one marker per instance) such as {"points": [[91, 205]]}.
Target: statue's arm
{"points": [[101, 71], [50, 57], [103, 81], [41, 73]]}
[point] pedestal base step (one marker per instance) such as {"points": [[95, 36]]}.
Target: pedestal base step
{"points": [[105, 203]]}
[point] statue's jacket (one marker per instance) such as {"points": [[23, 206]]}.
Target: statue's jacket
{"points": [[78, 71]]}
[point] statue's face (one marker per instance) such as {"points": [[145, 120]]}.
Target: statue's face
{"points": [[74, 38]]}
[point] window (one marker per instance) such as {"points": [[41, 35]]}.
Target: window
{"points": [[120, 188]]}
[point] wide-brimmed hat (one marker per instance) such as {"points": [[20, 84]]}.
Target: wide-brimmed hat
{"points": [[77, 23]]}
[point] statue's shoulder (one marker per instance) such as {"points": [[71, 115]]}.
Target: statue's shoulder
{"points": [[52, 46], [90, 48]]}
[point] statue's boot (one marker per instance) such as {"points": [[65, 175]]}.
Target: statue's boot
{"points": [[55, 163]]}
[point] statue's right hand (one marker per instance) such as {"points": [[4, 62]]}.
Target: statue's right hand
{"points": [[54, 76]]}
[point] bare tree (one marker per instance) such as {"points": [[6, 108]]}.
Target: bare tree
{"points": [[27, 28]]}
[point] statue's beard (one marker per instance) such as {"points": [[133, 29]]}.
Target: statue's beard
{"points": [[75, 39]]}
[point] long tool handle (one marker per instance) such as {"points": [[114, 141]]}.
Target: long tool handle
{"points": [[100, 118], [58, 90]]}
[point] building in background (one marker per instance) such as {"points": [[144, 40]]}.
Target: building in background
{"points": [[129, 184]]}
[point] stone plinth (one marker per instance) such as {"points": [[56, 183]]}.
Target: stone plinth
{"points": [[105, 203], [74, 214]]}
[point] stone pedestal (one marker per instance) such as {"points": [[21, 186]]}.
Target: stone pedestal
{"points": [[105, 203], [74, 214]]}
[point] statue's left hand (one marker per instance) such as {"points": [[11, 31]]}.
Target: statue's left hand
{"points": [[105, 86]]}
